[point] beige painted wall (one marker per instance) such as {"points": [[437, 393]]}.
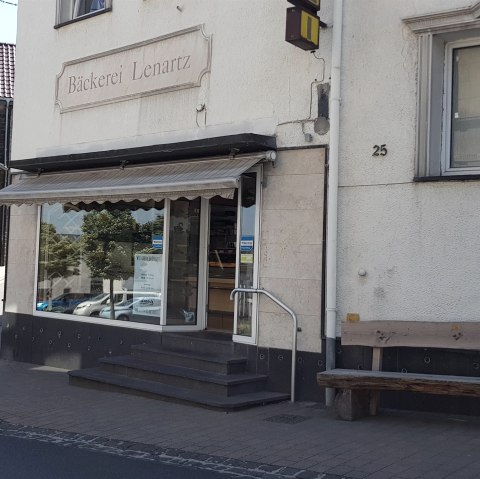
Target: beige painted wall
{"points": [[291, 248], [21, 259]]}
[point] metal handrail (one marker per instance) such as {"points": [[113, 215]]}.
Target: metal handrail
{"points": [[295, 328]]}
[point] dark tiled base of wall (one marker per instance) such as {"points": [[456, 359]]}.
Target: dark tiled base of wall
{"points": [[77, 345]]}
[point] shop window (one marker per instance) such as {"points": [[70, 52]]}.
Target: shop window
{"points": [[68, 10], [183, 262], [103, 262], [448, 113]]}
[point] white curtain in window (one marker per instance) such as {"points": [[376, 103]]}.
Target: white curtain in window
{"points": [[77, 9], [97, 5], [83, 7]]}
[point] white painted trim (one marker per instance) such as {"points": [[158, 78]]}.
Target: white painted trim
{"points": [[97, 320], [202, 285], [166, 244], [446, 20], [237, 260], [256, 250], [447, 169], [447, 109], [37, 257], [108, 322], [256, 253]]}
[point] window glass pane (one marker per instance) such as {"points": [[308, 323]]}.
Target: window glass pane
{"points": [[183, 262], [247, 244], [82, 7], [222, 263], [102, 261], [465, 136]]}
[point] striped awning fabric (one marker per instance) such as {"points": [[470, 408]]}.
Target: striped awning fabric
{"points": [[173, 180]]}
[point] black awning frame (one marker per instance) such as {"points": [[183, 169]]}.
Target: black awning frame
{"points": [[207, 147]]}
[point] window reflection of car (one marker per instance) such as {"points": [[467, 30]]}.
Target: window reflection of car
{"points": [[93, 306], [65, 303], [126, 309]]}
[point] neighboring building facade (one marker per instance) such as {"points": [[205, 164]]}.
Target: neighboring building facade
{"points": [[149, 148], [7, 79], [408, 183]]}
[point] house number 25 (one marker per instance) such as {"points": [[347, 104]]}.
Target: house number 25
{"points": [[380, 150]]}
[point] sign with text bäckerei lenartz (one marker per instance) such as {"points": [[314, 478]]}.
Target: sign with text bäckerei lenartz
{"points": [[171, 62]]}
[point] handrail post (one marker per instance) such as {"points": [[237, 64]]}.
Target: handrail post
{"points": [[295, 328]]}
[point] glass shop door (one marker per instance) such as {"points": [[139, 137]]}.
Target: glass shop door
{"points": [[233, 234], [221, 264]]}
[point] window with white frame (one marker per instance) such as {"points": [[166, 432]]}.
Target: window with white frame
{"points": [[68, 10], [462, 107], [448, 114]]}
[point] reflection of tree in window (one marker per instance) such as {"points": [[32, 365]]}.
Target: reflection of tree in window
{"points": [[144, 233], [59, 257], [106, 238]]}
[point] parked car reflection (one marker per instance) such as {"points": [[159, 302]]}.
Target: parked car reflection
{"points": [[65, 303], [93, 306], [126, 310]]}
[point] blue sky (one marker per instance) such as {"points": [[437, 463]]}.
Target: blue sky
{"points": [[8, 22]]}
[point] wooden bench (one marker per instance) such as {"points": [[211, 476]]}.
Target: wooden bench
{"points": [[359, 389]]}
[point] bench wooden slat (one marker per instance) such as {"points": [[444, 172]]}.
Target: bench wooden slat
{"points": [[415, 334], [383, 380]]}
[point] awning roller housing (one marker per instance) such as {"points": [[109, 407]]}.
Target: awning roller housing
{"points": [[173, 180]]}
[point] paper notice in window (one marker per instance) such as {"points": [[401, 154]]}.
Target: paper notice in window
{"points": [[246, 258], [148, 273]]}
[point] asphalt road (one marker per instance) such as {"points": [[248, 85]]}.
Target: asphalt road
{"points": [[33, 459]]}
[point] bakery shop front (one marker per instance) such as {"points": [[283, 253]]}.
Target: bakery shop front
{"points": [[156, 246]]}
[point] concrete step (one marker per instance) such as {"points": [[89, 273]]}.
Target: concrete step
{"points": [[220, 363], [178, 376], [202, 342], [106, 380]]}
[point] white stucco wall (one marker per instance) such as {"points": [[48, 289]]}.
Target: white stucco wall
{"points": [[258, 82], [418, 242]]}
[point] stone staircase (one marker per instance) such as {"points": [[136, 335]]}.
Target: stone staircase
{"points": [[185, 367]]}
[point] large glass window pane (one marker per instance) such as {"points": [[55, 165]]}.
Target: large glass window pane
{"points": [[247, 253], [465, 136], [183, 257], [102, 261]]}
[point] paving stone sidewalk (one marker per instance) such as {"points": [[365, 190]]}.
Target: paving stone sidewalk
{"points": [[300, 440]]}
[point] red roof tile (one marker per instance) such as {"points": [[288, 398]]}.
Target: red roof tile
{"points": [[7, 70]]}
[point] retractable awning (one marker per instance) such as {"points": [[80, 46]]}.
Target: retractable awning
{"points": [[188, 179]]}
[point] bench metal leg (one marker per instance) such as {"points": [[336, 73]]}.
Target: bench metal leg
{"points": [[351, 404]]}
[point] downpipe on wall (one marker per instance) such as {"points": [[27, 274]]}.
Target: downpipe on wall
{"points": [[332, 203]]}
